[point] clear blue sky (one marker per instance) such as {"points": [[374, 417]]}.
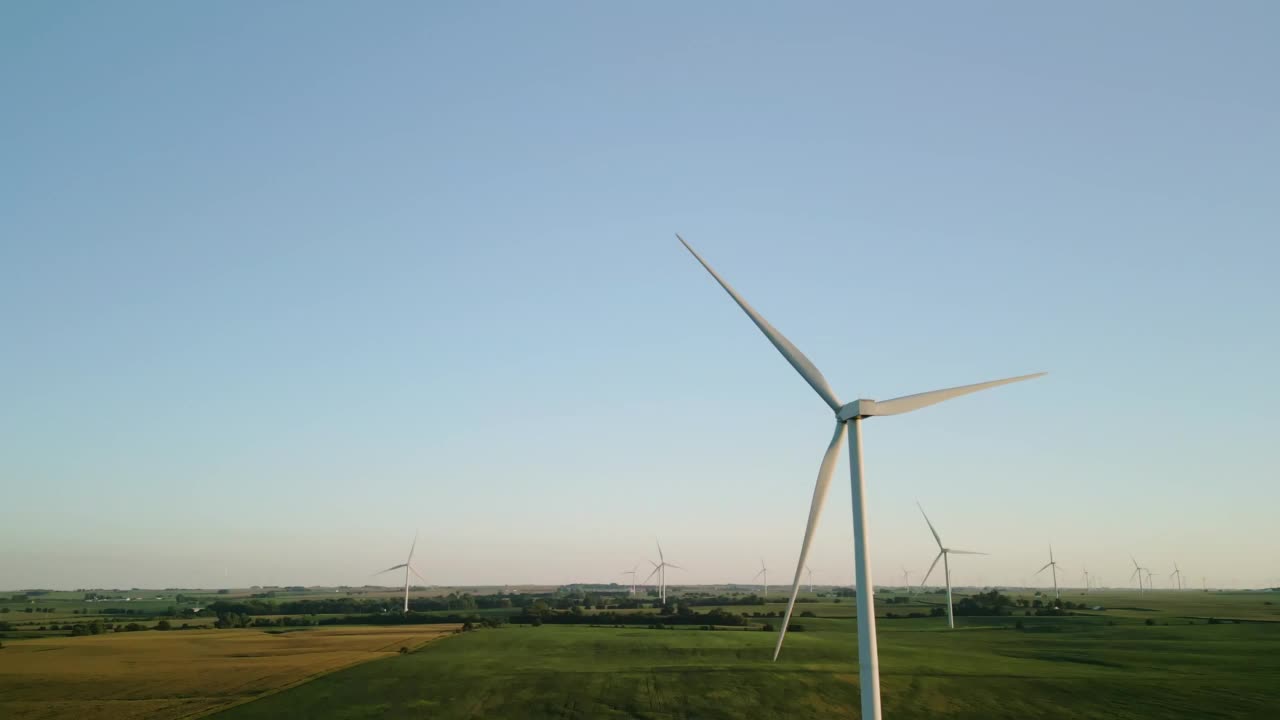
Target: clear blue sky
{"points": [[280, 284]]}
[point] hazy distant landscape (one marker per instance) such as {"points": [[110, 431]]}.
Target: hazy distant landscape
{"points": [[594, 651], [639, 361]]}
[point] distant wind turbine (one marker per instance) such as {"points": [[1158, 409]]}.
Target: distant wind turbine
{"points": [[1150, 585], [943, 555], [1052, 566], [810, 571], [1176, 574], [1086, 580], [848, 419], [1137, 572], [632, 573], [906, 579], [408, 568], [660, 569], [764, 573]]}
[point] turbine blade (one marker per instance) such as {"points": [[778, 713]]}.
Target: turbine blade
{"points": [[674, 566], [758, 574], [825, 471], [966, 552], [1046, 567], [802, 365], [660, 557], [415, 572], [411, 547], [926, 519], [393, 567], [907, 403], [655, 572], [931, 567]]}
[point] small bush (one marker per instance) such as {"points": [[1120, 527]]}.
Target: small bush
{"points": [[1149, 621], [807, 613], [404, 650], [767, 627], [1019, 626]]}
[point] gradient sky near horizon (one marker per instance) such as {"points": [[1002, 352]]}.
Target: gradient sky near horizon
{"points": [[282, 284]]}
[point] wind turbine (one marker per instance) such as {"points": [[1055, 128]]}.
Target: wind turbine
{"points": [[848, 419], [1086, 580], [1137, 572], [1150, 585], [656, 571], [632, 573], [810, 571], [1176, 574], [906, 579], [408, 568], [660, 568], [764, 572], [943, 555], [1052, 566]]}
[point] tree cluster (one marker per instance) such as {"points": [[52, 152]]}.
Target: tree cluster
{"points": [[690, 617]]}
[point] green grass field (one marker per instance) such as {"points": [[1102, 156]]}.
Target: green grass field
{"points": [[1108, 664]]}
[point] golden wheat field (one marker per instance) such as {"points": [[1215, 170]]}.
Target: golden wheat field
{"points": [[180, 674]]}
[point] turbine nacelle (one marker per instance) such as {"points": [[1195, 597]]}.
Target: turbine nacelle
{"points": [[856, 409]]}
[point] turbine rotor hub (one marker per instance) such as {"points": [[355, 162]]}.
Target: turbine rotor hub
{"points": [[857, 409]]}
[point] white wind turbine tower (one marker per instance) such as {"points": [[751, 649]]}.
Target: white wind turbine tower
{"points": [[1176, 574], [848, 419], [408, 568], [632, 573], [660, 569], [1052, 566], [943, 555], [764, 573], [810, 571], [1137, 572], [906, 579], [1150, 585], [1086, 580]]}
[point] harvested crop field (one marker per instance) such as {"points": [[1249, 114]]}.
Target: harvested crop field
{"points": [[180, 674]]}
